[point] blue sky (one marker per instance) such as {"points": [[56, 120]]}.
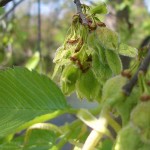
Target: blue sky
{"points": [[47, 8], [51, 6], [147, 3]]}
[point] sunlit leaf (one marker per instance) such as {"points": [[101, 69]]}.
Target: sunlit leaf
{"points": [[101, 52], [33, 61], [108, 38], [114, 61], [68, 79], [83, 89], [99, 9], [112, 87], [101, 71]]}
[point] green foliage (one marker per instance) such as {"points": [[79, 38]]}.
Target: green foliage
{"points": [[127, 50], [68, 79], [84, 90], [48, 138], [107, 144], [124, 108], [33, 61], [108, 38], [102, 71], [29, 95], [128, 139], [113, 59], [1, 10], [89, 64], [112, 86], [99, 9], [141, 115]]}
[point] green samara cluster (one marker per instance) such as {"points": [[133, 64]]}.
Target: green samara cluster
{"points": [[136, 134], [89, 55], [134, 111], [89, 64]]}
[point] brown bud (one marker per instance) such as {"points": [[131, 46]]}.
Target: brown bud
{"points": [[148, 83], [73, 58], [126, 73], [101, 24], [145, 98], [74, 41]]}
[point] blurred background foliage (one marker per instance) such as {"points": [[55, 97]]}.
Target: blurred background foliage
{"points": [[19, 28]]}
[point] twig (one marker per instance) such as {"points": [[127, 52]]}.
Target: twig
{"points": [[4, 2], [79, 10], [143, 67], [39, 27], [12, 9]]}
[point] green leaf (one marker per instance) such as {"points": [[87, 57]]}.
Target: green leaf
{"points": [[26, 95], [2, 10], [124, 108], [108, 38], [112, 89], [127, 50], [101, 53], [128, 139], [114, 61], [83, 89], [140, 115], [41, 139], [39, 136], [99, 9], [102, 72], [59, 54], [63, 52], [12, 145], [107, 144], [95, 46], [68, 79], [59, 67]]}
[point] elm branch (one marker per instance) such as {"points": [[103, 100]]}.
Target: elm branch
{"points": [[143, 67], [79, 11]]}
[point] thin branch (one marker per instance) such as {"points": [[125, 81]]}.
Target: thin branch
{"points": [[39, 28], [79, 10], [13, 13], [143, 67], [4, 2], [12, 9]]}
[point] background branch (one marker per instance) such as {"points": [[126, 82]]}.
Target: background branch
{"points": [[4, 2], [79, 11], [143, 67], [12, 9], [39, 28]]}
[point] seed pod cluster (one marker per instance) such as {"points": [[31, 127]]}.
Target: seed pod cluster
{"points": [[134, 111], [88, 63], [135, 114], [129, 138], [88, 57], [136, 134], [140, 117]]}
